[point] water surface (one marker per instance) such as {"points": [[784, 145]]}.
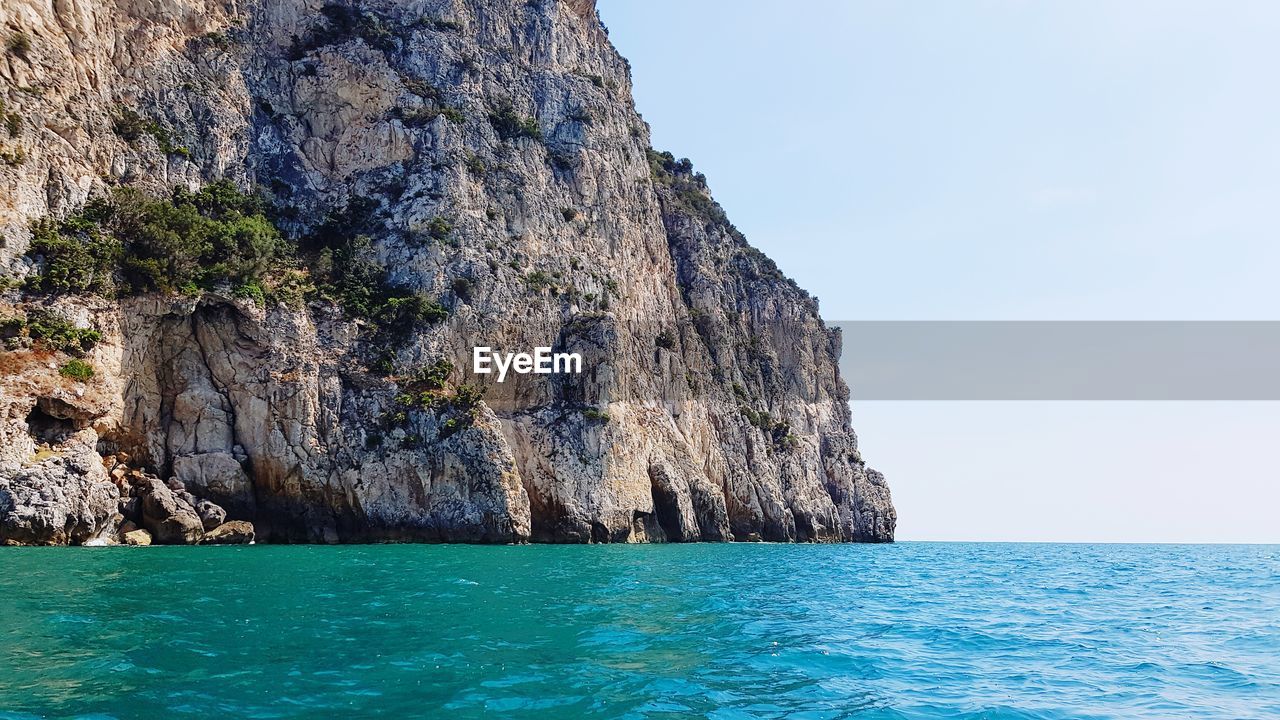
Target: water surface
{"points": [[913, 630]]}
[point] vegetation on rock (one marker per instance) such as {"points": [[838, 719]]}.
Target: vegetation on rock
{"points": [[510, 125], [347, 22], [131, 126], [19, 44], [220, 238], [132, 243], [340, 255], [76, 370], [51, 331]]}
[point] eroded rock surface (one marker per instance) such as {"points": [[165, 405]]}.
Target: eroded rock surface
{"points": [[58, 499], [236, 532], [710, 408], [168, 517]]}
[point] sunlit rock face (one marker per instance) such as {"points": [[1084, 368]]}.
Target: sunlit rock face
{"points": [[505, 174]]}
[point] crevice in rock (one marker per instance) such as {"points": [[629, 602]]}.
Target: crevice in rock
{"points": [[198, 316]]}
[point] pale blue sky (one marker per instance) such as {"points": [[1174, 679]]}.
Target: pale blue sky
{"points": [[1002, 159]]}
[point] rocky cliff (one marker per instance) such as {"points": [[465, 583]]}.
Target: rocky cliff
{"points": [[478, 160]]}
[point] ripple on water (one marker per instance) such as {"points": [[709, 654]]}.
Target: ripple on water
{"points": [[915, 630]]}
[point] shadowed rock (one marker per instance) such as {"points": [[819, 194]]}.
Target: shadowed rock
{"points": [[169, 518]]}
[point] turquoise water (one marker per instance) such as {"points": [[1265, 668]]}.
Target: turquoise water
{"points": [[725, 631]]}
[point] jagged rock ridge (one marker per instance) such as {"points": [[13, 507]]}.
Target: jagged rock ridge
{"points": [[505, 174]]}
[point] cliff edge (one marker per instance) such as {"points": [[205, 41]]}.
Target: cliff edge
{"points": [[249, 247]]}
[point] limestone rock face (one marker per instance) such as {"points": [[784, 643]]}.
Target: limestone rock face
{"points": [[710, 406]]}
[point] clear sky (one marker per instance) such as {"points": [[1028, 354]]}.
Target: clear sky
{"points": [[1002, 159]]}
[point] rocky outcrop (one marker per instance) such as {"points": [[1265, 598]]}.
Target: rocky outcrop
{"points": [[170, 519], [58, 498], [135, 537], [236, 532], [502, 170]]}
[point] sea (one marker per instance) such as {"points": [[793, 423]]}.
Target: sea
{"points": [[909, 630]]}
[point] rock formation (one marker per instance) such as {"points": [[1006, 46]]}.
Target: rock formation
{"points": [[489, 157]]}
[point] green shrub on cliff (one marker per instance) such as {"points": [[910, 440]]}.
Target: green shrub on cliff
{"points": [[57, 333], [343, 23], [76, 370], [212, 236], [421, 117], [690, 188], [345, 269], [12, 121], [134, 243], [432, 376], [510, 125], [219, 238], [131, 126], [79, 255], [19, 44]]}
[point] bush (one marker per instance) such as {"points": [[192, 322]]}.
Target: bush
{"points": [[665, 340], [439, 228], [423, 116], [12, 121], [252, 291], [57, 333], [76, 370], [19, 44], [510, 126], [538, 280], [433, 376], [422, 89], [400, 312], [596, 415], [462, 287], [135, 243], [216, 235], [346, 272], [438, 24], [467, 397], [344, 23], [456, 411], [12, 327], [14, 157], [778, 431], [78, 257], [131, 126], [216, 39]]}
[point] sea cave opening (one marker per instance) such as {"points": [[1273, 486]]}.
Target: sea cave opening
{"points": [[48, 429]]}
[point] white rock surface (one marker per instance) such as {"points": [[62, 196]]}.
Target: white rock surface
{"points": [[687, 332]]}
